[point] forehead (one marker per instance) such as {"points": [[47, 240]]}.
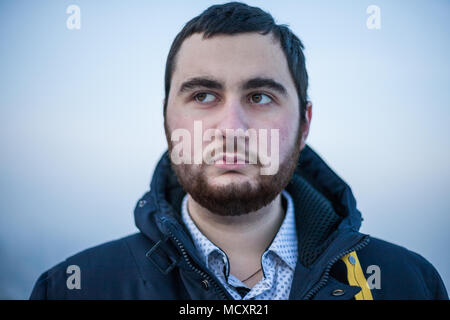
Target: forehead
{"points": [[232, 58]]}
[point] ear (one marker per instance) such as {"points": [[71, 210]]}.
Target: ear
{"points": [[306, 124], [164, 108]]}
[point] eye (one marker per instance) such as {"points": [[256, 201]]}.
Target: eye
{"points": [[260, 98], [204, 97]]}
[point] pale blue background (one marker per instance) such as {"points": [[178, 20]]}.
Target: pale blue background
{"points": [[81, 119]]}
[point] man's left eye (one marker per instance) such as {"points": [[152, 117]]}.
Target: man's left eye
{"points": [[260, 98]]}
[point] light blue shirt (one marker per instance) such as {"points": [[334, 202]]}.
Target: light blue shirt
{"points": [[278, 262]]}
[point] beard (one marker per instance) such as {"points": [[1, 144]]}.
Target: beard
{"points": [[235, 198]]}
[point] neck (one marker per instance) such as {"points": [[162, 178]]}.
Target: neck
{"points": [[244, 237]]}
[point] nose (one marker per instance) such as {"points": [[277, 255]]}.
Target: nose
{"points": [[233, 125], [232, 116]]}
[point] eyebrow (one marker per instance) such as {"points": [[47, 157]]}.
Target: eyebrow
{"points": [[197, 82], [260, 82], [253, 83]]}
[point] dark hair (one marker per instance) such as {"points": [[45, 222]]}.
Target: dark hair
{"points": [[234, 18]]}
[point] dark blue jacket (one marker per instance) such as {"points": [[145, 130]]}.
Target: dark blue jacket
{"points": [[161, 262]]}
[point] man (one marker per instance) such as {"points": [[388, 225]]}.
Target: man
{"points": [[214, 224]]}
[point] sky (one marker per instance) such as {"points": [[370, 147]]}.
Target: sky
{"points": [[81, 124]]}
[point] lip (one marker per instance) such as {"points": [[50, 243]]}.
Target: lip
{"points": [[231, 166], [230, 162]]}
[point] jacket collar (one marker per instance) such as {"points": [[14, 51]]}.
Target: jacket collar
{"points": [[324, 207]]}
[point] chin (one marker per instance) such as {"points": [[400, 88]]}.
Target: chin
{"points": [[228, 178]]}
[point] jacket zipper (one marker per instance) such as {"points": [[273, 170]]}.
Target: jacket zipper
{"points": [[308, 296], [203, 274], [326, 275]]}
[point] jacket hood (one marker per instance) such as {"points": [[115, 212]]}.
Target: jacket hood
{"points": [[324, 205]]}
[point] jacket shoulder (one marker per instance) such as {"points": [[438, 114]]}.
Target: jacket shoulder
{"points": [[402, 273], [94, 272]]}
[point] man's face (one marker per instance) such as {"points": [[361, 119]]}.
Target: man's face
{"points": [[234, 97]]}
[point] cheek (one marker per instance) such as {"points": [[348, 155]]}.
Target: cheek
{"points": [[176, 120], [287, 133], [285, 144]]}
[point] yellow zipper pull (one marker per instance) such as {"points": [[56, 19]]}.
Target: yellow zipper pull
{"points": [[356, 277]]}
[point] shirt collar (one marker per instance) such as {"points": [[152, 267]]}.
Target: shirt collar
{"points": [[285, 242], [284, 245]]}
